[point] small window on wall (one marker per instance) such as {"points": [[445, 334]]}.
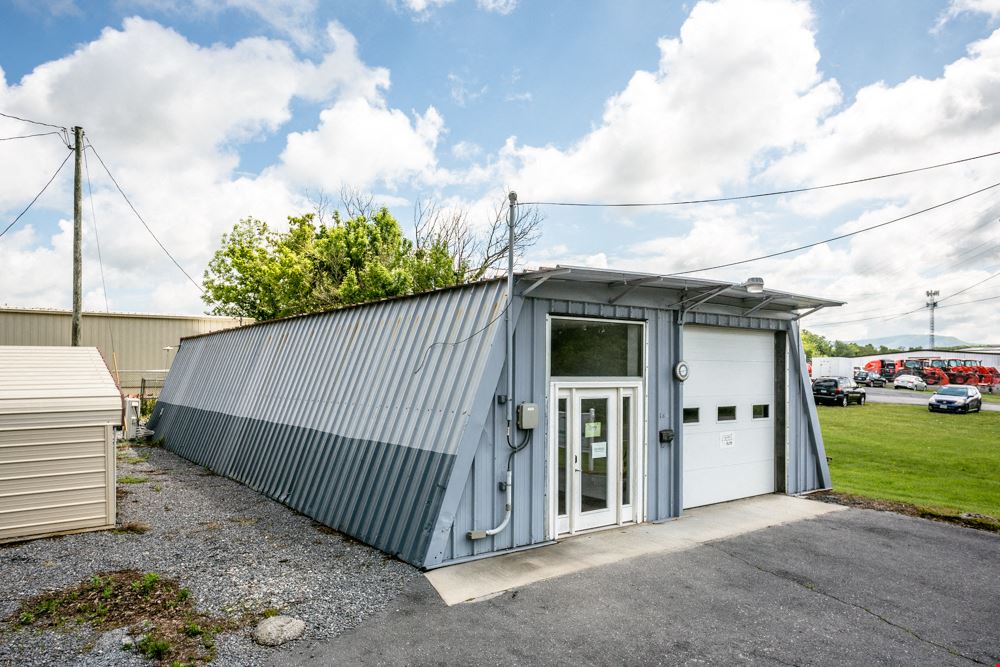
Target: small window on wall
{"points": [[690, 415], [595, 348], [761, 411], [727, 413]]}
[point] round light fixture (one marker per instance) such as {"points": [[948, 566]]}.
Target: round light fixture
{"points": [[754, 285]]}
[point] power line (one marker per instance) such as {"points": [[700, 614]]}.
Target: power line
{"points": [[31, 203], [965, 303], [972, 285], [30, 136], [896, 316], [35, 122], [129, 202], [839, 236], [775, 193], [424, 355]]}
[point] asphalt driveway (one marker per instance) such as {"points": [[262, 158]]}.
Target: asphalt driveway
{"points": [[850, 588], [910, 397]]}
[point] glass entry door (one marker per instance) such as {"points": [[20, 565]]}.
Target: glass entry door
{"points": [[594, 448]]}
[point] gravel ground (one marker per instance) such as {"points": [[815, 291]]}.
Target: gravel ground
{"points": [[237, 551]]}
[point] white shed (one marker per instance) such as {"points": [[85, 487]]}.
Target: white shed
{"points": [[58, 410]]}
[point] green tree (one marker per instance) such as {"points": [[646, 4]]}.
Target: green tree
{"points": [[263, 274], [815, 345]]}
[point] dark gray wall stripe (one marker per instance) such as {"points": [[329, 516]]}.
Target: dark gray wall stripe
{"points": [[383, 494]]}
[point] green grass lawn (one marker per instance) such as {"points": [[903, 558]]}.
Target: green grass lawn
{"points": [[945, 463]]}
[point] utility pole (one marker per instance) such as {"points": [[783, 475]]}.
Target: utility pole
{"points": [[77, 236], [932, 303]]}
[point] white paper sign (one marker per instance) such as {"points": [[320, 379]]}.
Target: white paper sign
{"points": [[592, 430], [599, 450], [727, 439]]}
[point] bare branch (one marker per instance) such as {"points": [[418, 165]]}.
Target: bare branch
{"points": [[527, 230], [322, 205], [357, 203]]}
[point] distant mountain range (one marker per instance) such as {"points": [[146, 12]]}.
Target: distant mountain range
{"points": [[918, 341]]}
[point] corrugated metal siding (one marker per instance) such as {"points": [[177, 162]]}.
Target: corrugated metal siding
{"points": [[735, 321], [138, 339], [334, 415], [481, 504], [57, 460], [806, 465]]}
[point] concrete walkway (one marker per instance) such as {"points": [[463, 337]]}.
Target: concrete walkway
{"points": [[482, 579]]}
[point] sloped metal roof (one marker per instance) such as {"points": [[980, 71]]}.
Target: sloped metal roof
{"points": [[352, 416]]}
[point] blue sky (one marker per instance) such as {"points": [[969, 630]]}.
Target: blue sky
{"points": [[209, 111]]}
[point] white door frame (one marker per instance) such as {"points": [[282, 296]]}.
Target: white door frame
{"points": [[619, 388]]}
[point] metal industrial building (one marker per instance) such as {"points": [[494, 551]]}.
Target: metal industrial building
{"points": [[58, 410], [132, 344], [637, 397]]}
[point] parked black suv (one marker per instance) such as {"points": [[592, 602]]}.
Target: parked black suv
{"points": [[839, 391], [870, 379]]}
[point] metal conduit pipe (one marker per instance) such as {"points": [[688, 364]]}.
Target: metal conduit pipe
{"points": [[508, 321]]}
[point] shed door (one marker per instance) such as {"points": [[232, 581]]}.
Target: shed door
{"points": [[728, 414]]}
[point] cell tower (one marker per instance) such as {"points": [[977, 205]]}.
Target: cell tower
{"points": [[932, 296]]}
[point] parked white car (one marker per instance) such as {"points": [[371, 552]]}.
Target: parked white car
{"points": [[909, 382]]}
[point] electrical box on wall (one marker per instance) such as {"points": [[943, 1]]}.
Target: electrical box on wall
{"points": [[527, 416]]}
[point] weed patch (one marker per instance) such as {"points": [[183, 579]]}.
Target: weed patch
{"points": [[173, 632], [133, 527], [131, 479]]}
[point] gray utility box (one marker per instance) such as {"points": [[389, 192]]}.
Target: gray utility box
{"points": [[527, 416]]}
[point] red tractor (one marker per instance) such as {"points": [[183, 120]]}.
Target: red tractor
{"points": [[968, 371], [923, 368]]}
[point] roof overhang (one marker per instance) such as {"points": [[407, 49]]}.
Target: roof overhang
{"points": [[681, 292]]}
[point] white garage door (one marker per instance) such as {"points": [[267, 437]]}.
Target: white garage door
{"points": [[728, 414]]}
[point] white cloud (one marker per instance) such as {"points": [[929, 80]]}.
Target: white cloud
{"points": [[295, 19], [759, 115], [170, 117], [519, 97], [466, 150], [421, 9], [701, 120], [497, 6], [959, 7], [360, 143], [464, 92]]}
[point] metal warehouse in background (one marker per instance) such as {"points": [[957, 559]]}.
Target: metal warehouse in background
{"points": [[58, 410], [131, 343], [637, 397]]}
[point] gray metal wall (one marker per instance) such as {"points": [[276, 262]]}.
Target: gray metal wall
{"points": [[137, 340], [480, 504], [806, 465], [345, 416]]}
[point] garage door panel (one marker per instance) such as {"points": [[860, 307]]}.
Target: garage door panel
{"points": [[729, 459], [705, 451], [746, 480]]}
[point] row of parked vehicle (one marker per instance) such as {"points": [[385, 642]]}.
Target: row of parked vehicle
{"points": [[844, 390]]}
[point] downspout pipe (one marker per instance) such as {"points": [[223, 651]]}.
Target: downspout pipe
{"points": [[509, 323]]}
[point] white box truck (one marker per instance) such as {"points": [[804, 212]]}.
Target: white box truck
{"points": [[833, 367]]}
